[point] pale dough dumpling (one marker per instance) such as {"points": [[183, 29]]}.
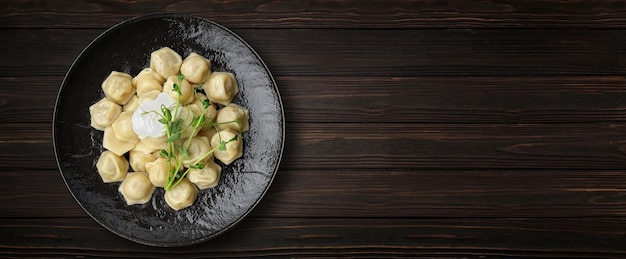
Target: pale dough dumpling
{"points": [[233, 150], [182, 195], [118, 87], [158, 171], [233, 117], [186, 89], [197, 107], [103, 113], [198, 146], [196, 68], [166, 62], [138, 159], [206, 177], [136, 188], [111, 167], [123, 128], [221, 87], [115, 145], [131, 105], [155, 143], [147, 80]]}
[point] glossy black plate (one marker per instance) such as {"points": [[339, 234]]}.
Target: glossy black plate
{"points": [[126, 47]]}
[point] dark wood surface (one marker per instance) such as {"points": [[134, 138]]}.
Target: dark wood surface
{"points": [[414, 128]]}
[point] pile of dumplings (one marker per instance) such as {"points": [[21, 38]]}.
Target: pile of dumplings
{"points": [[135, 160]]}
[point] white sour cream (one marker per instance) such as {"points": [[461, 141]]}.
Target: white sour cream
{"points": [[145, 120]]}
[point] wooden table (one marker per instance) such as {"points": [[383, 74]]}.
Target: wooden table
{"points": [[461, 129]]}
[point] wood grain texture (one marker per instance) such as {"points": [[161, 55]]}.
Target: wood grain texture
{"points": [[491, 128], [397, 146], [377, 99], [352, 52], [496, 237], [378, 194], [326, 14]]}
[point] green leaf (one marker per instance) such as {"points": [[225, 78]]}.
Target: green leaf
{"points": [[181, 77], [183, 152], [164, 153], [173, 137], [176, 88], [222, 146], [167, 114], [206, 104], [197, 166], [198, 121]]}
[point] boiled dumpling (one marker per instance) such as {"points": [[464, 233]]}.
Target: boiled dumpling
{"points": [[197, 107], [155, 143], [158, 170], [233, 117], [196, 68], [198, 146], [118, 87], [166, 62], [182, 195], [123, 128], [147, 80], [111, 167], [186, 90], [115, 145], [233, 150], [221, 87], [132, 104], [103, 113], [206, 177], [138, 159], [136, 188]]}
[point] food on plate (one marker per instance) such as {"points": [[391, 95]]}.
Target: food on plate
{"points": [[169, 127], [111, 167], [136, 188], [221, 87]]}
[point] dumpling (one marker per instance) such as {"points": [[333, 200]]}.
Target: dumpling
{"points": [[123, 128], [166, 62], [136, 188], [233, 150], [111, 167], [131, 105], [115, 145], [147, 80], [187, 117], [158, 170], [198, 146], [206, 177], [221, 87], [186, 89], [197, 107], [155, 143], [196, 68], [118, 87], [233, 117], [138, 159], [103, 113], [182, 195]]}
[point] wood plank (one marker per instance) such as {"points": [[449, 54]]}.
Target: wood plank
{"points": [[378, 194], [390, 53], [373, 99], [595, 146], [325, 14], [543, 238]]}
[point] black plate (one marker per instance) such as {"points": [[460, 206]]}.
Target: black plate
{"points": [[126, 47]]}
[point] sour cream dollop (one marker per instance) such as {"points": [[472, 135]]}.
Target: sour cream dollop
{"points": [[145, 119]]}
